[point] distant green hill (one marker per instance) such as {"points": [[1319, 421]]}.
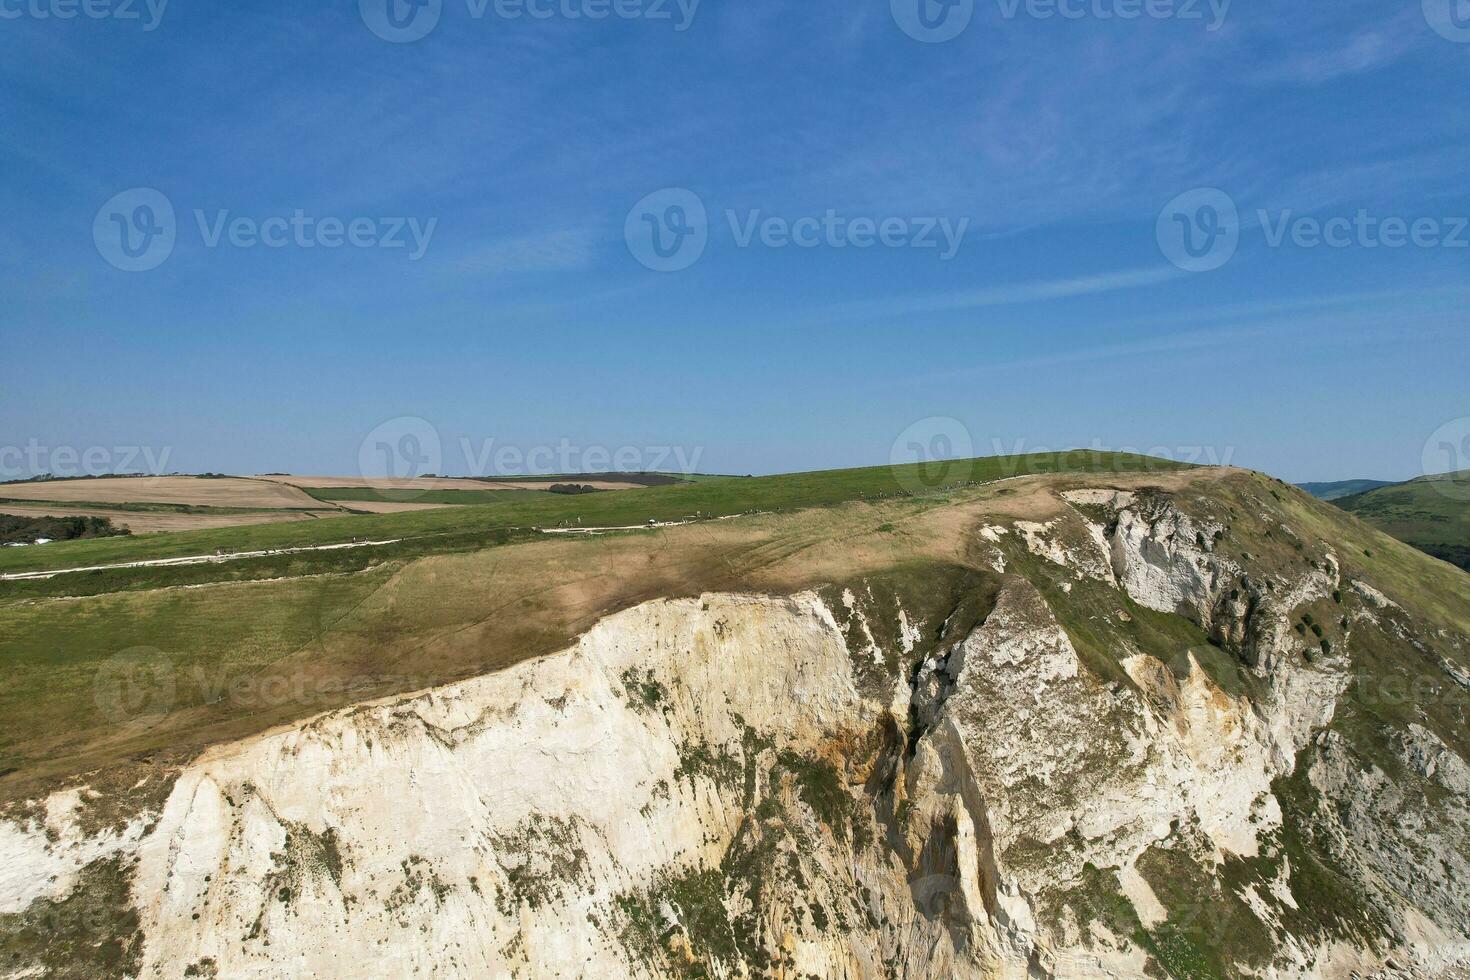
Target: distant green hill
{"points": [[1342, 488], [1431, 513]]}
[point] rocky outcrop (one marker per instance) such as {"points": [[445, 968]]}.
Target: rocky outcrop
{"points": [[741, 785]]}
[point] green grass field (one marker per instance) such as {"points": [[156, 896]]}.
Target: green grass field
{"points": [[116, 665], [1431, 513], [1342, 488], [124, 664], [432, 531], [150, 507], [461, 498]]}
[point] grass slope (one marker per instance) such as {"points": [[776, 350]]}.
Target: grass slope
{"points": [[135, 671], [1342, 488], [148, 507], [1431, 513], [428, 532], [136, 679], [463, 498]]}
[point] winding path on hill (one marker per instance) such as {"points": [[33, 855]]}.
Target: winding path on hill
{"points": [[193, 559]]}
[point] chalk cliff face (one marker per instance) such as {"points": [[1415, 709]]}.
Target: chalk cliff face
{"points": [[1108, 753]]}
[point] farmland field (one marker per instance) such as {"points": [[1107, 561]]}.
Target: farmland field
{"points": [[452, 529], [1430, 513], [155, 504], [208, 492], [143, 520], [352, 497], [467, 589], [602, 481], [378, 506]]}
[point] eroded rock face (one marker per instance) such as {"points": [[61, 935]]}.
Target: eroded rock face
{"points": [[1409, 834], [741, 786], [503, 823]]}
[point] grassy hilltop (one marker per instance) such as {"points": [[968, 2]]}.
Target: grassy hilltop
{"points": [[467, 528], [1338, 489], [131, 663], [154, 663], [121, 677], [1431, 513]]}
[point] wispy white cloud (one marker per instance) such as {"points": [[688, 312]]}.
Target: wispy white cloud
{"points": [[1012, 294], [1372, 184], [1365, 328], [1366, 50], [1394, 299], [567, 248]]}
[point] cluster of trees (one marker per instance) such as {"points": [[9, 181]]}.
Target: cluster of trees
{"points": [[571, 488], [54, 478], [15, 529]]}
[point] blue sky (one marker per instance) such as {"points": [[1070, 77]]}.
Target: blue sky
{"points": [[529, 320]]}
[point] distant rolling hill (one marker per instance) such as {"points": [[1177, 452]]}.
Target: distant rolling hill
{"points": [[1431, 513], [1342, 488]]}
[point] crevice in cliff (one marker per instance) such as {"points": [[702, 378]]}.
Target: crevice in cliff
{"points": [[930, 685], [932, 679]]}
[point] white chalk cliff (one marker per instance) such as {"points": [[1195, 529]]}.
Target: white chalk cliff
{"points": [[753, 786]]}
